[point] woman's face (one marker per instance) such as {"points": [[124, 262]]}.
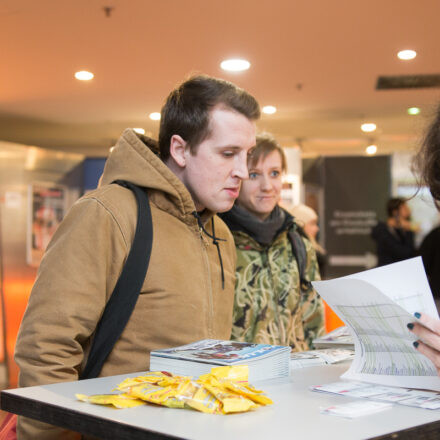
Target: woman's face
{"points": [[311, 228], [261, 192]]}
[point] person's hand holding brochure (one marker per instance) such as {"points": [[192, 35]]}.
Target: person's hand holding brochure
{"points": [[428, 332], [377, 305]]}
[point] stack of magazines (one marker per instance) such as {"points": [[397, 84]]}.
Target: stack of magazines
{"points": [[322, 356], [264, 361], [340, 338]]}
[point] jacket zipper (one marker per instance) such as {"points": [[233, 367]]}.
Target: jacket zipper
{"points": [[205, 244]]}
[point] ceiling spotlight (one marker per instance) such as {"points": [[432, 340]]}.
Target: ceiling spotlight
{"points": [[235, 65], [413, 111], [368, 127], [371, 149], [407, 54], [139, 130], [155, 116], [83, 75], [269, 109]]}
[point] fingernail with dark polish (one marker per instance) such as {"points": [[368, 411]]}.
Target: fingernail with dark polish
{"points": [[416, 344], [417, 315], [410, 326]]}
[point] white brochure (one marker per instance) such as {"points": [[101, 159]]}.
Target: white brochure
{"points": [[376, 305]]}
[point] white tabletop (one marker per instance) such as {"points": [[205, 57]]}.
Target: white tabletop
{"points": [[295, 413]]}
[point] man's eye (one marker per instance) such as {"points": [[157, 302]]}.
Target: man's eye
{"points": [[275, 173], [228, 153]]}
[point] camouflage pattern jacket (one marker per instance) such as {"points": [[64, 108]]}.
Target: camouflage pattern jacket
{"points": [[269, 306]]}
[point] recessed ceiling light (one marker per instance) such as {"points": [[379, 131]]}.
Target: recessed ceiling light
{"points": [[368, 127], [269, 109], [235, 65], [371, 149], [83, 75], [139, 130], [413, 111], [155, 116], [407, 54]]}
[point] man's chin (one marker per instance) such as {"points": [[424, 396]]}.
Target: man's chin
{"points": [[224, 207]]}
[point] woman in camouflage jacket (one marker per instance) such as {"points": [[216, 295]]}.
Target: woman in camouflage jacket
{"points": [[270, 306]]}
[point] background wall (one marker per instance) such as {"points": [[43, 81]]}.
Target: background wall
{"points": [[20, 166]]}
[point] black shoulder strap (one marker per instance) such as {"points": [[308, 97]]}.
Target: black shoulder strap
{"points": [[119, 307], [299, 251]]}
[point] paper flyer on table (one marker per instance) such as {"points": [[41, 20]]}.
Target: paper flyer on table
{"points": [[376, 305]]}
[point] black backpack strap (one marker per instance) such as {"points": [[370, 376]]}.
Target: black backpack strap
{"points": [[122, 301], [300, 254]]}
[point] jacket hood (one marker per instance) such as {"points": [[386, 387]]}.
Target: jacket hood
{"points": [[135, 158]]}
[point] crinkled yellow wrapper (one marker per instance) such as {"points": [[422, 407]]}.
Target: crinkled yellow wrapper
{"points": [[224, 390]]}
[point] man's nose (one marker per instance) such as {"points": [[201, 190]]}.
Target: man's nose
{"points": [[241, 168]]}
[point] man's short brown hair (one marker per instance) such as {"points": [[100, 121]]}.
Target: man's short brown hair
{"points": [[187, 110]]}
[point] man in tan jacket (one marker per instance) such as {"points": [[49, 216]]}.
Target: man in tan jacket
{"points": [[207, 130]]}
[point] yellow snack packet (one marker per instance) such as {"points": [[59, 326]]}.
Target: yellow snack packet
{"points": [[224, 390], [231, 402], [172, 381], [197, 397], [239, 373], [152, 393], [174, 402], [150, 377], [117, 400], [251, 388], [246, 392]]}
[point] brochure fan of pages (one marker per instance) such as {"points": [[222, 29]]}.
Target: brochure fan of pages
{"points": [[376, 305]]}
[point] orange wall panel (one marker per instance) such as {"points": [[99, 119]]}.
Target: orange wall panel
{"points": [[332, 321], [16, 298]]}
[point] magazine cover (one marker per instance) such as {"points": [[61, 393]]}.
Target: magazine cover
{"points": [[227, 352]]}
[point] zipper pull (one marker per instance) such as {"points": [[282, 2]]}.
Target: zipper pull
{"points": [[203, 238]]}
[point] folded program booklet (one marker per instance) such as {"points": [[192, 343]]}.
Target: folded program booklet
{"points": [[265, 361], [376, 305]]}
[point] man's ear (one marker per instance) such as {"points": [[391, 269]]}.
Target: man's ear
{"points": [[178, 149]]}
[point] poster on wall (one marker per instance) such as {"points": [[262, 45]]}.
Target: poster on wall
{"points": [[356, 190], [47, 203], [290, 191]]}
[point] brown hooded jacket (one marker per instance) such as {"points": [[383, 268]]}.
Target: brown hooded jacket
{"points": [[181, 300]]}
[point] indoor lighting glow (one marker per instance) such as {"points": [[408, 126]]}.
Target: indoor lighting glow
{"points": [[139, 130], [235, 65], [155, 116], [83, 75], [368, 127], [413, 111], [371, 149], [407, 54], [269, 109]]}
